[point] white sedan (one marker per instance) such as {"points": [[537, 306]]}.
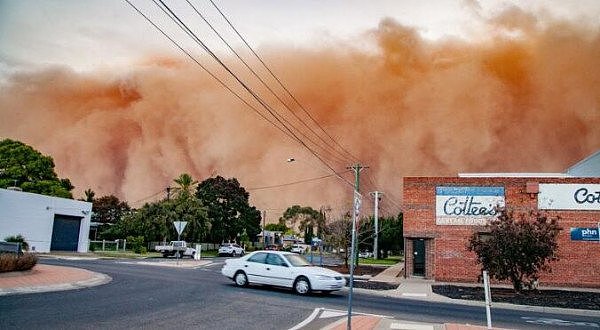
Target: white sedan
{"points": [[283, 269]]}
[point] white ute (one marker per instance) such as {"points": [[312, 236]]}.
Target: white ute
{"points": [[176, 248]]}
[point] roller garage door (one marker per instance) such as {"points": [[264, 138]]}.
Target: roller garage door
{"points": [[65, 233]]}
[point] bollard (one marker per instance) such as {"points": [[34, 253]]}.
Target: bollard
{"points": [[198, 254]]}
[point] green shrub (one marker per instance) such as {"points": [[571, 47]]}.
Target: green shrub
{"points": [[13, 262], [18, 239], [136, 243]]}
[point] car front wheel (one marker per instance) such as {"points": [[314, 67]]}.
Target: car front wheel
{"points": [[302, 285], [240, 279]]}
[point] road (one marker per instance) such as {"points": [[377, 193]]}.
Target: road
{"points": [[142, 296]]}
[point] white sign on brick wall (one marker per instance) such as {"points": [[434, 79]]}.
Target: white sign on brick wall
{"points": [[470, 206], [571, 196]]}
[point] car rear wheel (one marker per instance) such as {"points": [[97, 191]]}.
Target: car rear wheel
{"points": [[240, 279], [302, 285]]}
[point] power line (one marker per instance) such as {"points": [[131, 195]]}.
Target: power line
{"points": [[296, 182], [148, 197], [354, 159], [288, 132], [206, 69], [255, 74], [182, 25]]}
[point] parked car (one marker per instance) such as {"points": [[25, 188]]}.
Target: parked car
{"points": [[365, 254], [231, 249], [298, 248], [273, 247], [282, 269]]}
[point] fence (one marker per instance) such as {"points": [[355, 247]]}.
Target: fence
{"points": [[121, 245], [205, 246], [105, 245], [10, 247]]}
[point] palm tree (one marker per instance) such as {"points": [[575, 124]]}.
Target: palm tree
{"points": [[89, 195], [185, 184]]}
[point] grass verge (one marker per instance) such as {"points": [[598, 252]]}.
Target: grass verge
{"points": [[389, 261]]}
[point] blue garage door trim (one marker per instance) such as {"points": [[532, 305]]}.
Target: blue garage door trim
{"points": [[65, 233]]}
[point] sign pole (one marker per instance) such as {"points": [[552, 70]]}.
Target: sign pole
{"points": [[488, 298], [177, 253], [179, 226]]}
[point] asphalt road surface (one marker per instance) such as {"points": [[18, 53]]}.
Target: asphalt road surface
{"points": [[152, 297]]}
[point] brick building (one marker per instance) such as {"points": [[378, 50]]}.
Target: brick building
{"points": [[441, 213]]}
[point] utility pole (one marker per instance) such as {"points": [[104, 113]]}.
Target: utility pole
{"points": [[264, 232], [355, 211], [376, 194]]}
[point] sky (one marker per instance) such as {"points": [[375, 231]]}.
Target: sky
{"points": [[408, 88]]}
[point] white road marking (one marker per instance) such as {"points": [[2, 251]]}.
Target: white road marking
{"points": [[559, 322], [309, 319], [411, 326], [327, 313], [414, 294]]}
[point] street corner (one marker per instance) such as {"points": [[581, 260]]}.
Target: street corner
{"points": [[332, 319], [47, 278]]}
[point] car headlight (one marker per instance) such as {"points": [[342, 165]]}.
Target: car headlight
{"points": [[324, 278]]}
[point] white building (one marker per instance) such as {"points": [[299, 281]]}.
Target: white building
{"points": [[47, 223]]}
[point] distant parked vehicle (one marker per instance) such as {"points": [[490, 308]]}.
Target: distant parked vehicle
{"points": [[298, 248], [273, 247], [176, 248], [365, 254], [231, 249]]}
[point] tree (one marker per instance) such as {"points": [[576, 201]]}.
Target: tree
{"points": [[228, 209], [154, 221], [89, 195], [276, 227], [338, 235], [517, 247], [108, 209], [26, 168], [390, 234], [307, 219], [18, 239], [185, 184]]}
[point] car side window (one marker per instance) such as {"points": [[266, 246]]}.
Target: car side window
{"points": [[273, 259], [259, 257]]}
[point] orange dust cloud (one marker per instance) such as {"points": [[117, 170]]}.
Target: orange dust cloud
{"points": [[524, 99]]}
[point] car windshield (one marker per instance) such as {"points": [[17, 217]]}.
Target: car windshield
{"points": [[297, 260]]}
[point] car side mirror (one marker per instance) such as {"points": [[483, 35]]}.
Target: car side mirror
{"points": [[284, 264]]}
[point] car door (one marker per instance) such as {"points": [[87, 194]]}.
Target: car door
{"points": [[277, 271], [255, 268]]}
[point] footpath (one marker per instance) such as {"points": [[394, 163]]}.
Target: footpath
{"points": [[45, 278]]}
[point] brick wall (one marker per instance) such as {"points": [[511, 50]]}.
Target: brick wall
{"points": [[448, 258]]}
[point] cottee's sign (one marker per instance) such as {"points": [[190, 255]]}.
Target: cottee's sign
{"points": [[471, 206], [569, 197]]}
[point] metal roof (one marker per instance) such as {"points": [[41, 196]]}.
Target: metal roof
{"points": [[589, 167]]}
